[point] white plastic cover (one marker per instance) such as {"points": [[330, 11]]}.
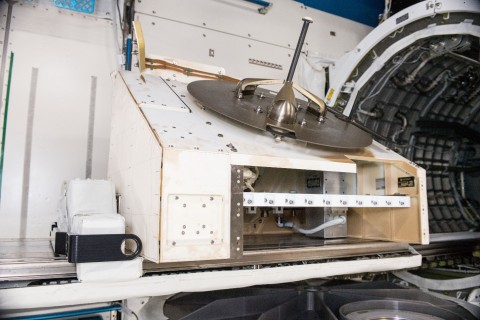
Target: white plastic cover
{"points": [[110, 271], [90, 197], [107, 223], [89, 207], [93, 223]]}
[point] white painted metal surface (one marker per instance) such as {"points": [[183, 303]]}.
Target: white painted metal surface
{"points": [[146, 94], [67, 50], [190, 29], [165, 284], [195, 216], [135, 169]]}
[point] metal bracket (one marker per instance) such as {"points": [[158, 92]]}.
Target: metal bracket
{"points": [[95, 247], [236, 213]]}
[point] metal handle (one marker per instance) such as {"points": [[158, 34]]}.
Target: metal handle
{"points": [[247, 86]]}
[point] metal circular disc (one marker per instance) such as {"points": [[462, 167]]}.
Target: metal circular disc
{"points": [[394, 310], [219, 96], [251, 110], [332, 132]]}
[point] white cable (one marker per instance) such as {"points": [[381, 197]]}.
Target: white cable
{"points": [[331, 223]]}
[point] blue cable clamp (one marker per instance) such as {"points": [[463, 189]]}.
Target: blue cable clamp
{"points": [[85, 6]]}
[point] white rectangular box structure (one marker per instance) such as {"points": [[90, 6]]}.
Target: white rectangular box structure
{"points": [[179, 171]]}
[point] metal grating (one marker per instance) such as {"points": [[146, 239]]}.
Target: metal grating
{"points": [[85, 6]]}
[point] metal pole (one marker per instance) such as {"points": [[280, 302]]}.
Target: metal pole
{"points": [[298, 49]]}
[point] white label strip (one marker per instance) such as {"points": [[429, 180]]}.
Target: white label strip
{"points": [[260, 199]]}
